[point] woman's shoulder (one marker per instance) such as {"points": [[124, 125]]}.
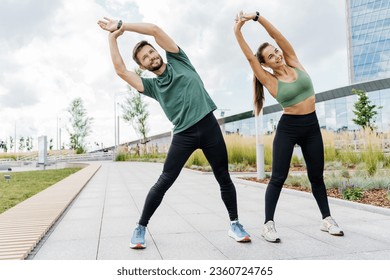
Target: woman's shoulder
{"points": [[297, 67]]}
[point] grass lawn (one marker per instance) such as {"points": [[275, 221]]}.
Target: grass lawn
{"points": [[26, 184]]}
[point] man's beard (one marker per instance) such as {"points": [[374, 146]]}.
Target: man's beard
{"points": [[155, 68]]}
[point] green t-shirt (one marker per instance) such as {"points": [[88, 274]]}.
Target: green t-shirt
{"points": [[180, 92]]}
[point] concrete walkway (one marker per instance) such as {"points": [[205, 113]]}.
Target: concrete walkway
{"points": [[192, 222]]}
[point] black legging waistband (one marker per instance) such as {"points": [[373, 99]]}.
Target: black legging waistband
{"points": [[299, 120]]}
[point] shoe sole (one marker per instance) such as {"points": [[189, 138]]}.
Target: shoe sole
{"points": [[244, 239], [277, 240], [341, 233], [137, 246]]}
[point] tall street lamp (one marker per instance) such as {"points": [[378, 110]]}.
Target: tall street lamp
{"points": [[259, 146], [116, 121], [58, 133]]}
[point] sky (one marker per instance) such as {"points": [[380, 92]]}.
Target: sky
{"points": [[53, 51]]}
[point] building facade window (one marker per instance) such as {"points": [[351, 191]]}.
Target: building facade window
{"points": [[369, 39], [335, 115]]}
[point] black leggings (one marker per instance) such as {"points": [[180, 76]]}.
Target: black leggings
{"points": [[205, 135], [304, 131]]}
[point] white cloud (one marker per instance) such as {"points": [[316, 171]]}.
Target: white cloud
{"points": [[56, 52]]}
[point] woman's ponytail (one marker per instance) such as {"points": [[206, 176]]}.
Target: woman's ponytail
{"points": [[258, 89], [258, 95]]}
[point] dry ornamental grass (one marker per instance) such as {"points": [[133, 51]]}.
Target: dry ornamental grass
{"points": [[376, 197]]}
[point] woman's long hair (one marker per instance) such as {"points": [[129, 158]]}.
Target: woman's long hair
{"points": [[258, 89]]}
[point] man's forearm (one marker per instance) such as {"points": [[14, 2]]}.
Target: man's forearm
{"points": [[141, 28], [116, 58], [162, 39]]}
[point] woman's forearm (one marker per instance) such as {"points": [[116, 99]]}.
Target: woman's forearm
{"points": [[244, 45], [280, 40], [271, 30]]}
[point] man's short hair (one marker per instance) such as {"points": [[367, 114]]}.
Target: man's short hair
{"points": [[137, 49]]}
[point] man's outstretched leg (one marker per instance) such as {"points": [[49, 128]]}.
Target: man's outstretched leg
{"points": [[182, 146], [214, 148]]}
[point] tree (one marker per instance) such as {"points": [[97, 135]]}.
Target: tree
{"points": [[80, 125], [51, 144], [135, 112], [22, 144], [11, 142], [3, 145], [29, 143], [365, 112]]}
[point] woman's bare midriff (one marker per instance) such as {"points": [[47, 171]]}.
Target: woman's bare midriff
{"points": [[302, 108]]}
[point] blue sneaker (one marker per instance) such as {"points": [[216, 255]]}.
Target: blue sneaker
{"points": [[138, 239], [237, 232]]}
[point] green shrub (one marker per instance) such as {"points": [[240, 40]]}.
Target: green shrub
{"points": [[267, 156], [386, 161], [344, 173], [9, 157], [241, 149], [295, 161], [122, 157], [198, 158], [352, 193], [333, 182], [377, 182], [330, 153], [294, 181], [305, 182]]}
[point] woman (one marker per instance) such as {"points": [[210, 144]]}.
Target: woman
{"points": [[291, 86]]}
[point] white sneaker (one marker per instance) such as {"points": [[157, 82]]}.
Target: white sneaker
{"points": [[329, 224], [269, 232]]}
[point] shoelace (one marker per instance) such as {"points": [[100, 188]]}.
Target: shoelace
{"points": [[138, 232], [240, 227], [331, 222], [270, 227]]}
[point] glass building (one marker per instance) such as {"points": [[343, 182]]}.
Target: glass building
{"points": [[368, 32], [368, 25]]}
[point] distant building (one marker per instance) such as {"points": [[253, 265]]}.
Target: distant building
{"points": [[368, 27], [368, 32]]}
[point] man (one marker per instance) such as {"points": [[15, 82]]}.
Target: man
{"points": [[181, 94]]}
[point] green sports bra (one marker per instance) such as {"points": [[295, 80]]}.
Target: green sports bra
{"points": [[292, 93]]}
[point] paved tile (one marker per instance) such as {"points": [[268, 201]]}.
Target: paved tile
{"points": [[76, 249], [117, 248], [192, 222]]}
